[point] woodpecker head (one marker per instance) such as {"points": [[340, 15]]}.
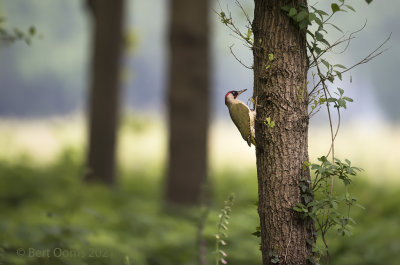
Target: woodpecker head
{"points": [[231, 95]]}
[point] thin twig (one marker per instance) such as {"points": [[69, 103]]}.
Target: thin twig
{"points": [[237, 59], [244, 12], [351, 36]]}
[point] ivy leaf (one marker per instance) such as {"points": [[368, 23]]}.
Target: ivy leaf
{"points": [[335, 8], [300, 208], [292, 12], [270, 57], [285, 8], [303, 24], [301, 16]]}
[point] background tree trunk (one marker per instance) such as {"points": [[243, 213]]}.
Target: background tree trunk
{"points": [[281, 92], [188, 98], [104, 89]]}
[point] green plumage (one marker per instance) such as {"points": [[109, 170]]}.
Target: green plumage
{"points": [[243, 118]]}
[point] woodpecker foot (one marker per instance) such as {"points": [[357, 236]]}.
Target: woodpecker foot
{"points": [[255, 104]]}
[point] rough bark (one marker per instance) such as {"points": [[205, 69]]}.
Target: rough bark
{"points": [[104, 89], [281, 92], [188, 100]]}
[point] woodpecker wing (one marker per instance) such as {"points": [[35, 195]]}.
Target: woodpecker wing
{"points": [[240, 115]]}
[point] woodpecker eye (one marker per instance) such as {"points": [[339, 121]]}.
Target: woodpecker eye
{"points": [[234, 93]]}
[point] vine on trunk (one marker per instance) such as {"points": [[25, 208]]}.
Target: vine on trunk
{"points": [[328, 209]]}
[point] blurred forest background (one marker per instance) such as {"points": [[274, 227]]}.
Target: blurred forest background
{"points": [[173, 138]]}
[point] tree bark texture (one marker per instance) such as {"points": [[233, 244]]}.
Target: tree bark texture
{"points": [[104, 89], [188, 100], [281, 92]]}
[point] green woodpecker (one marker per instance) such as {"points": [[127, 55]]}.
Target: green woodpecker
{"points": [[241, 116]]}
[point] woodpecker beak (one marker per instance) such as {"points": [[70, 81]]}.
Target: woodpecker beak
{"points": [[241, 91]]}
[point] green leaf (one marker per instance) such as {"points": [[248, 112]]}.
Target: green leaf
{"points": [[318, 36], [332, 100], [348, 99], [320, 12], [300, 208], [292, 12], [256, 233], [270, 57], [285, 8], [325, 63], [341, 91], [341, 103], [323, 159], [32, 30], [336, 27], [335, 8], [311, 17], [325, 42], [360, 206], [340, 66], [319, 22], [339, 74], [301, 16], [350, 7], [249, 32], [303, 24]]}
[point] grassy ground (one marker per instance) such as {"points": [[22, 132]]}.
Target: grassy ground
{"points": [[49, 217]]}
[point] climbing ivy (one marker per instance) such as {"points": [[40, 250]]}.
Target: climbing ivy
{"points": [[328, 209]]}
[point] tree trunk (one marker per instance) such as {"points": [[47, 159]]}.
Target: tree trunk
{"points": [[188, 97], [281, 92], [105, 89]]}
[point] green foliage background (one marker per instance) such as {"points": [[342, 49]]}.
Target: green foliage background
{"points": [[47, 207]]}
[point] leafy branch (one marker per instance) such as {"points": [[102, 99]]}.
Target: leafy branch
{"points": [[245, 37], [327, 209], [8, 36]]}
